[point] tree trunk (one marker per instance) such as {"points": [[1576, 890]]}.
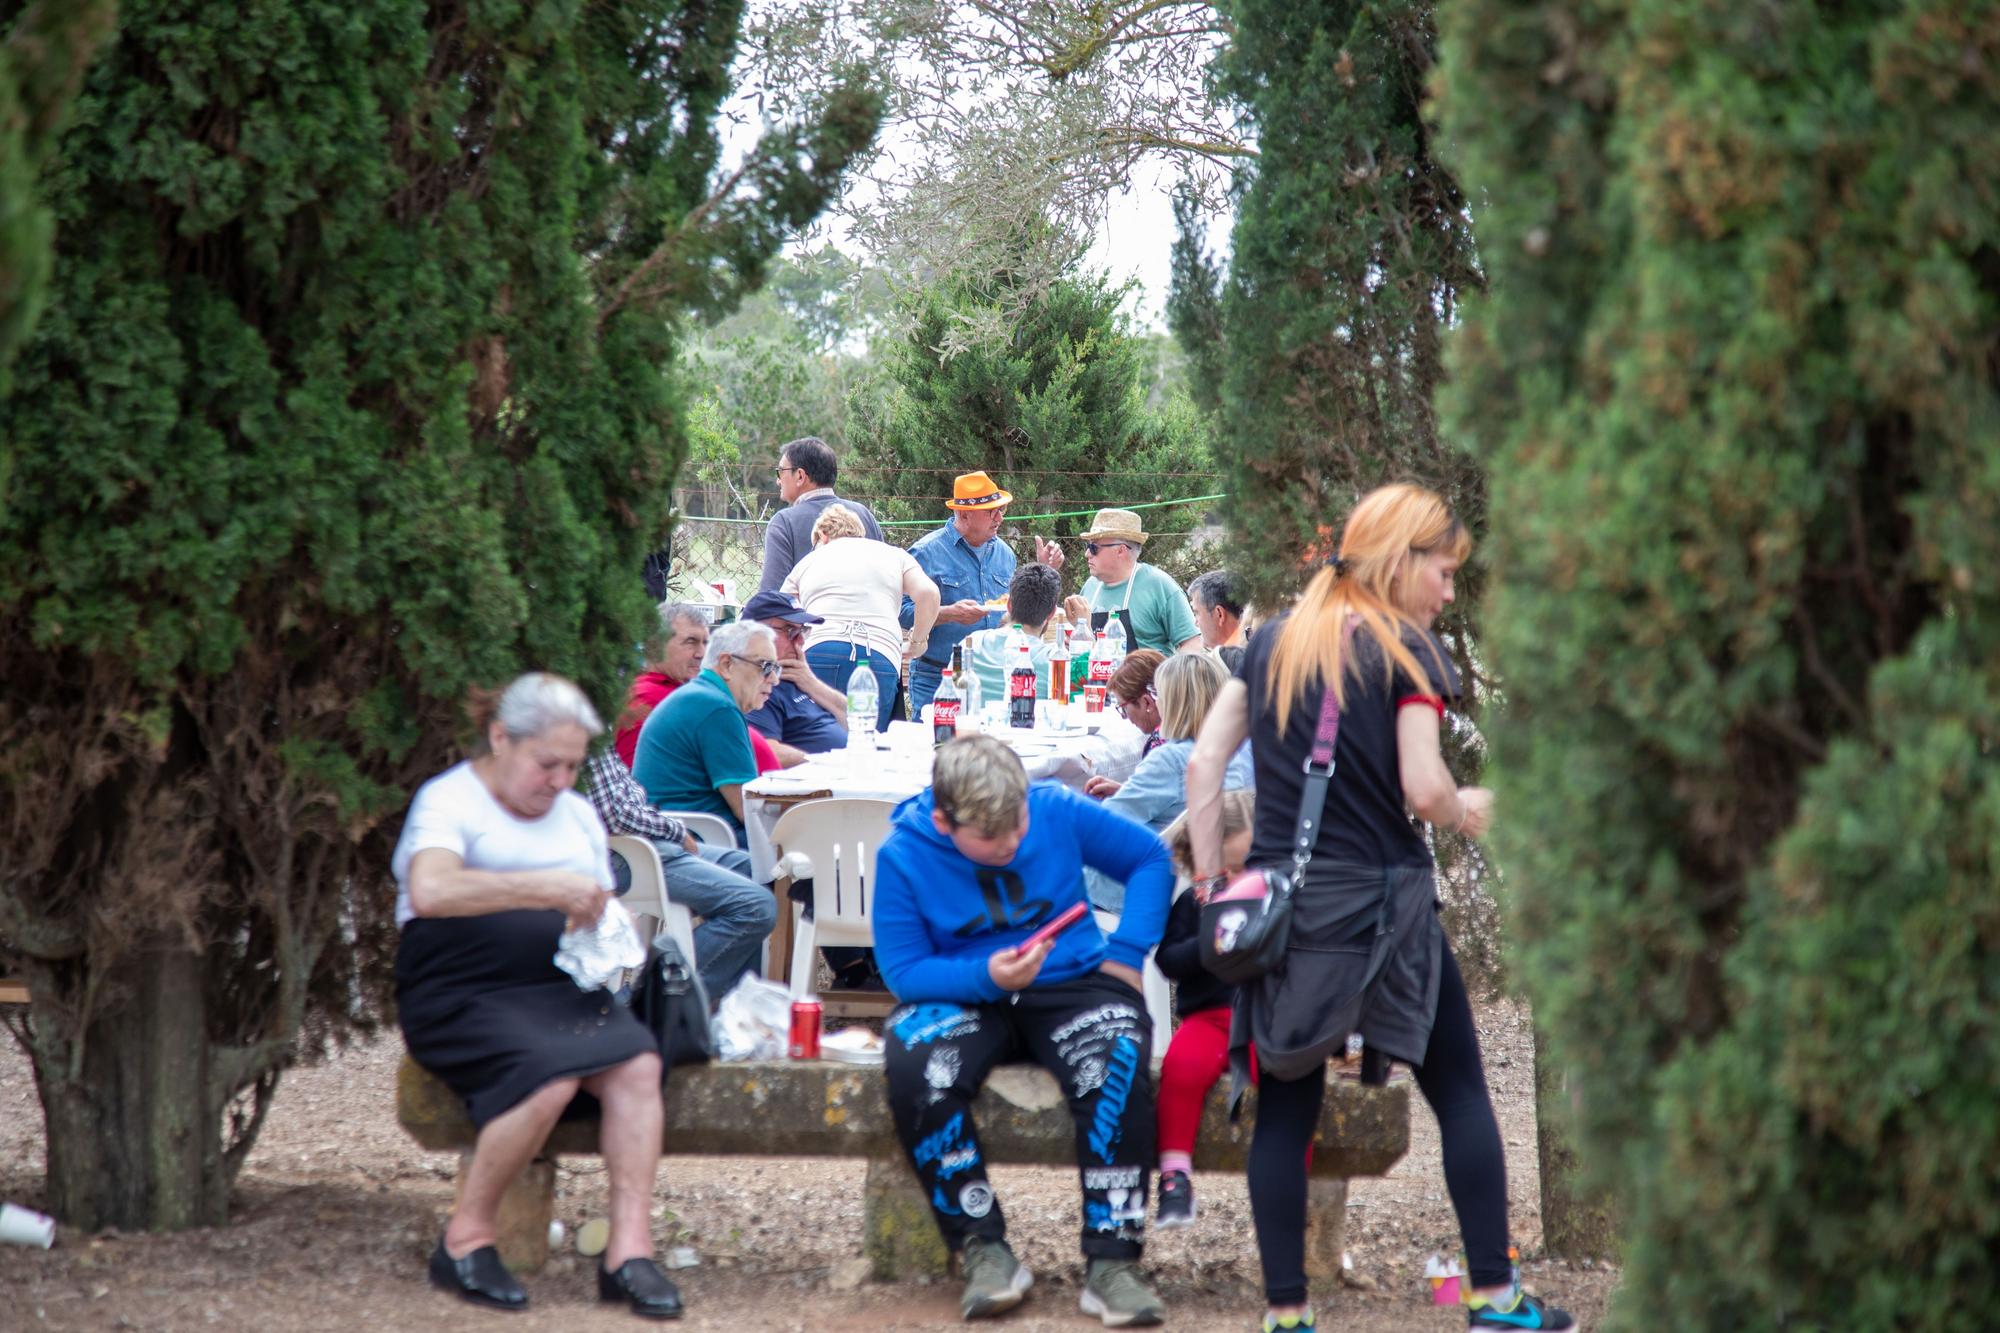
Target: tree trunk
{"points": [[134, 1138], [1576, 1223]]}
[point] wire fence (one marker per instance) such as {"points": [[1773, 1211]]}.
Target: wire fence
{"points": [[727, 553]]}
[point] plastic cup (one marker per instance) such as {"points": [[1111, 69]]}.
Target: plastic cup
{"points": [[25, 1226]]}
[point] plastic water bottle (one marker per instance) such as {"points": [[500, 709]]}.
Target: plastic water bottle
{"points": [[864, 705], [1021, 690], [968, 712], [1114, 634]]}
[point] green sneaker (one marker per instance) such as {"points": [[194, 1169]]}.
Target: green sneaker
{"points": [[995, 1281], [1114, 1291]]}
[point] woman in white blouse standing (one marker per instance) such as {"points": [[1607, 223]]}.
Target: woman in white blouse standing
{"points": [[857, 587]]}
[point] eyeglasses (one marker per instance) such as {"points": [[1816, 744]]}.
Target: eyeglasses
{"points": [[1120, 705], [1092, 548], [769, 666], [781, 469]]}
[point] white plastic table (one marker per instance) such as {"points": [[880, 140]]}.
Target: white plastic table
{"points": [[900, 767]]}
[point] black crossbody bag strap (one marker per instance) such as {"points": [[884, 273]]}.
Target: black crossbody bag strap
{"points": [[1319, 777]]}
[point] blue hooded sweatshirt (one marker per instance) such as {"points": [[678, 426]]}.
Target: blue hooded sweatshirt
{"points": [[939, 916]]}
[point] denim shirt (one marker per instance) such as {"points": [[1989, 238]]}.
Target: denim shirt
{"points": [[961, 573]]}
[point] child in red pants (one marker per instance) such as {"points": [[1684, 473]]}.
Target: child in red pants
{"points": [[1199, 1053]]}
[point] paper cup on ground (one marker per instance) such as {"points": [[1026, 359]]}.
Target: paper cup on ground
{"points": [[25, 1226]]}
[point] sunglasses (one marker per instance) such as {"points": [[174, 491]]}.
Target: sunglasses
{"points": [[1092, 548], [769, 666]]}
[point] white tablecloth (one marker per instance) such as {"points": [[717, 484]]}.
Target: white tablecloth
{"points": [[901, 767]]}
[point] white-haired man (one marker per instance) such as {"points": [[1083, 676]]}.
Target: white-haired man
{"points": [[694, 751]]}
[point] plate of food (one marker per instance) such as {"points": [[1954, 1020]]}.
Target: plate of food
{"points": [[854, 1046], [995, 604]]}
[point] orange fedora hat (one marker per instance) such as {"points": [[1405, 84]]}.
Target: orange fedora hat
{"points": [[975, 490]]}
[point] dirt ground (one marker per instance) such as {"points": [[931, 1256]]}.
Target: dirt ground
{"points": [[336, 1212]]}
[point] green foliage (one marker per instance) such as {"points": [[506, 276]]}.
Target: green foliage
{"points": [[1350, 247], [1736, 387], [44, 50], [354, 390], [1051, 401]]}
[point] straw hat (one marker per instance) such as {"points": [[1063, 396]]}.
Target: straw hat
{"points": [[1116, 525], [975, 490]]}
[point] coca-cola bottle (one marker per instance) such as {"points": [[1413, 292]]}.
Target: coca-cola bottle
{"points": [[1021, 684], [945, 705], [1098, 682]]}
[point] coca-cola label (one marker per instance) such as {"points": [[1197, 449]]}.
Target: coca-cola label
{"points": [[1021, 683], [1100, 668]]}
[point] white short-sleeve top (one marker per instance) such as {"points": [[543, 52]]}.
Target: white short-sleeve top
{"points": [[455, 812], [857, 584]]}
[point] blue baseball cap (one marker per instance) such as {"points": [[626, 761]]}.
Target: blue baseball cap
{"points": [[779, 606]]}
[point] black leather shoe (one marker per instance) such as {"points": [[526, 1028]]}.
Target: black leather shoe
{"points": [[651, 1293], [479, 1277]]}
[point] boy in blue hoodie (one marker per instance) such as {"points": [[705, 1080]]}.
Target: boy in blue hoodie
{"points": [[969, 870]]}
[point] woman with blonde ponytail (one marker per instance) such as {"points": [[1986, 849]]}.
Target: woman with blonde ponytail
{"points": [[1366, 953]]}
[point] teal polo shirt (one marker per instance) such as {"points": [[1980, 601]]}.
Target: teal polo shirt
{"points": [[693, 744]]}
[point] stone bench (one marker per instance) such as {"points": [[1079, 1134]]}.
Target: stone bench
{"points": [[814, 1108]]}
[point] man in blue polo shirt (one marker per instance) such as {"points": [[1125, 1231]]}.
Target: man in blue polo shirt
{"points": [[970, 569], [802, 715], [694, 751]]}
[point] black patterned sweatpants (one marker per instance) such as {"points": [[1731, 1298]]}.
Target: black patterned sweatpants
{"points": [[1093, 1035]]}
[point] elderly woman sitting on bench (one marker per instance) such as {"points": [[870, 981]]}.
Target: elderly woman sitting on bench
{"points": [[497, 855]]}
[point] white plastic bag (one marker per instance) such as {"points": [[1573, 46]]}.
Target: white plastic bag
{"points": [[594, 958], [754, 1021]]}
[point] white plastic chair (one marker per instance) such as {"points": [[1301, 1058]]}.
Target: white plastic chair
{"points": [[711, 829], [648, 894], [835, 842], [1153, 985]]}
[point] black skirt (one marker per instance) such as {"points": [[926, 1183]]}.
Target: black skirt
{"points": [[483, 1006]]}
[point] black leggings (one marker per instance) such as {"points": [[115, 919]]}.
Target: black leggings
{"points": [[1475, 1169]]}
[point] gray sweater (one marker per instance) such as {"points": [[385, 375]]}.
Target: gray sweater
{"points": [[789, 537]]}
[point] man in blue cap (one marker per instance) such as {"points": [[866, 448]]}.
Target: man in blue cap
{"points": [[802, 716]]}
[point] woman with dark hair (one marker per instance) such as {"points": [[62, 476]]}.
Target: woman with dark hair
{"points": [[498, 856], [1362, 629]]}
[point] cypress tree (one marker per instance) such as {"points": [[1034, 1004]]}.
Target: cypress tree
{"points": [[353, 390], [1736, 388], [1349, 251]]}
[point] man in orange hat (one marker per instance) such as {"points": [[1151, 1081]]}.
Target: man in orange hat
{"points": [[971, 569]]}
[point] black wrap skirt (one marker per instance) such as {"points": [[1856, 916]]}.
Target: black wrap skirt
{"points": [[1364, 956], [483, 1006]]}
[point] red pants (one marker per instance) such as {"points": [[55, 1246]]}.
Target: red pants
{"points": [[1197, 1056]]}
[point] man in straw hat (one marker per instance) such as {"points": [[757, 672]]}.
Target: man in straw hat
{"points": [[1155, 609], [971, 569]]}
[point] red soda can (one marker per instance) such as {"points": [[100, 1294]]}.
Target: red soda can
{"points": [[805, 1029]]}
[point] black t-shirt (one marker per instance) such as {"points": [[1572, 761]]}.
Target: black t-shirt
{"points": [[1365, 820]]}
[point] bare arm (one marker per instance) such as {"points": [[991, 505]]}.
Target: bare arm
{"points": [[923, 594], [732, 795], [1226, 727], [1428, 788], [788, 755], [1189, 645], [817, 690], [440, 885]]}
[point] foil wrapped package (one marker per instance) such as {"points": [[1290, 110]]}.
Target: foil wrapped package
{"points": [[595, 957]]}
